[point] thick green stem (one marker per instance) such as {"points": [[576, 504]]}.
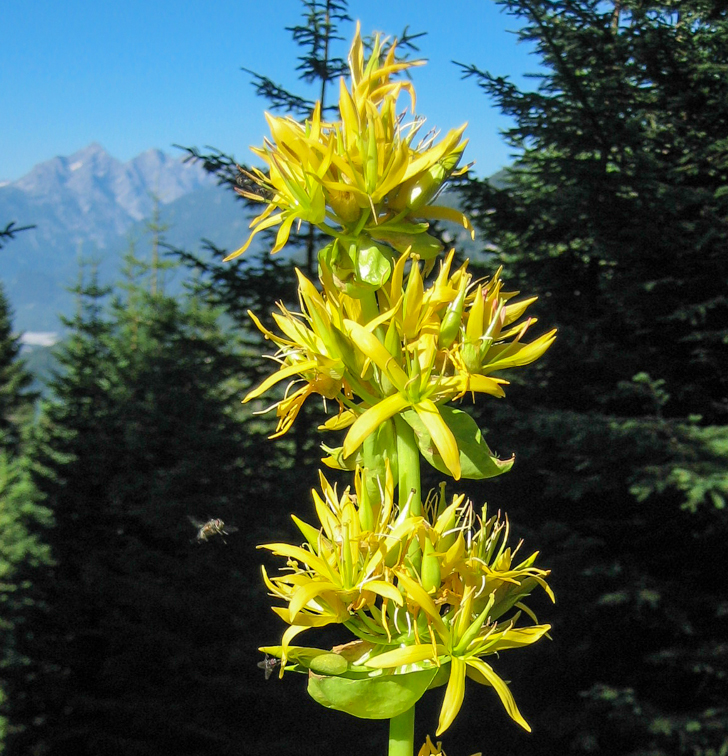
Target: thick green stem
{"points": [[402, 728], [369, 306], [408, 462], [402, 734]]}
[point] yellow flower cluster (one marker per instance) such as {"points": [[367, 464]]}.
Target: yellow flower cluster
{"points": [[428, 346], [438, 591], [362, 176]]}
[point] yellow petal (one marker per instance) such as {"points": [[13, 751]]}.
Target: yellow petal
{"points": [[306, 620], [454, 695], [268, 334], [285, 372], [431, 156], [401, 656], [483, 384], [302, 555], [370, 345], [288, 636], [339, 422], [372, 419], [326, 517], [438, 212], [516, 355], [305, 594], [283, 233], [422, 598], [515, 310], [501, 689], [441, 435], [517, 637], [384, 589], [273, 220]]}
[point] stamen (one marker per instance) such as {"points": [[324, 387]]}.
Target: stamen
{"points": [[482, 587]]}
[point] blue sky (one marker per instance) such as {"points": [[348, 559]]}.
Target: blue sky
{"points": [[137, 74]]}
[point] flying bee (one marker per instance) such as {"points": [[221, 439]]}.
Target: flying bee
{"points": [[211, 528], [268, 664], [250, 187]]}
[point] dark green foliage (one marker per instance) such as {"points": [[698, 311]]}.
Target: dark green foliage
{"points": [[614, 213], [24, 556], [24, 559], [316, 63], [139, 641], [16, 400]]}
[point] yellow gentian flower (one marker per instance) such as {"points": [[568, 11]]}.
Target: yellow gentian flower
{"points": [[343, 573], [461, 604], [363, 174], [464, 613], [430, 346]]}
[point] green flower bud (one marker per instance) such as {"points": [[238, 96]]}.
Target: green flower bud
{"points": [[366, 516], [419, 191], [328, 664], [431, 577], [450, 326], [344, 205], [470, 353]]}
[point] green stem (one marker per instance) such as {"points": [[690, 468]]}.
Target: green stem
{"points": [[369, 306], [402, 734], [408, 462], [402, 727]]}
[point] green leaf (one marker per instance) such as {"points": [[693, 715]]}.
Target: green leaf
{"points": [[359, 266], [381, 697], [476, 459]]}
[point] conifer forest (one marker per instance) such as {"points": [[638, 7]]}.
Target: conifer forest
{"points": [[125, 630]]}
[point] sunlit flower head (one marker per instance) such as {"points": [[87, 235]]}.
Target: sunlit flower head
{"points": [[429, 346], [368, 175], [446, 604], [343, 571]]}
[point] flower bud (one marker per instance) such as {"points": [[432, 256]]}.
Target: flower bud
{"points": [[450, 326], [329, 664], [344, 205], [366, 516], [474, 328], [419, 191], [470, 353], [431, 577]]}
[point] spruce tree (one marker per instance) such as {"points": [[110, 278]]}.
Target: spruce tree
{"points": [[25, 559], [70, 465], [145, 642], [615, 212], [16, 399], [24, 555]]}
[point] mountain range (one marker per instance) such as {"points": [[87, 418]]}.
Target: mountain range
{"points": [[91, 206]]}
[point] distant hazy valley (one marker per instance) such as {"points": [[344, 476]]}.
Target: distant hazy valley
{"points": [[91, 206]]}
